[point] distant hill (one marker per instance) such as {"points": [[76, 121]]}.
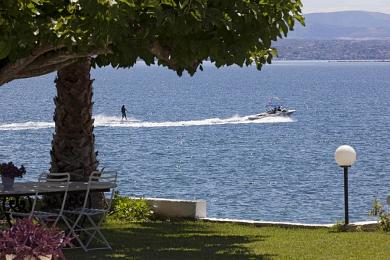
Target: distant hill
{"points": [[349, 35], [307, 49], [344, 25]]}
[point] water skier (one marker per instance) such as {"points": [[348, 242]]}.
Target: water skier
{"points": [[124, 110]]}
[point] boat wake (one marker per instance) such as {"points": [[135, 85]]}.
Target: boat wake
{"points": [[113, 121]]}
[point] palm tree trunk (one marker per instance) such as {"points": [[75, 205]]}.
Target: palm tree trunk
{"points": [[73, 145]]}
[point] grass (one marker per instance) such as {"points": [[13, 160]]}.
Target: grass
{"points": [[206, 240]]}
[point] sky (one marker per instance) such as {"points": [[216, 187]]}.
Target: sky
{"points": [[318, 6]]}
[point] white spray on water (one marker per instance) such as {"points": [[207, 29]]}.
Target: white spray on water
{"points": [[113, 121]]}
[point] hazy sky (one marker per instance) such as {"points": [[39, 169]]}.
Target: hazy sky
{"points": [[314, 6]]}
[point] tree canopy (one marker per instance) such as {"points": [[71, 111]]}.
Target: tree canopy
{"points": [[41, 36]]}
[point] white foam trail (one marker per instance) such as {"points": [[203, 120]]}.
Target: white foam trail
{"points": [[25, 126], [113, 121], [103, 120], [202, 122]]}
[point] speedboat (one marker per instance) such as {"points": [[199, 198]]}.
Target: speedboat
{"points": [[273, 112]]}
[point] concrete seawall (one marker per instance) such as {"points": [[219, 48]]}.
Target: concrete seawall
{"points": [[174, 208]]}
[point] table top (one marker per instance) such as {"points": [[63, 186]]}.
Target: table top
{"points": [[29, 188]]}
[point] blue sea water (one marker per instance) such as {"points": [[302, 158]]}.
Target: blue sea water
{"points": [[188, 137]]}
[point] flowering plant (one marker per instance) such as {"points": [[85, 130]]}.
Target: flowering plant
{"points": [[11, 171], [26, 239]]}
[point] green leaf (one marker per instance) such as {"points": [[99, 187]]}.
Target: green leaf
{"points": [[284, 28], [169, 2], [5, 48], [129, 3], [183, 4], [269, 58], [274, 52]]}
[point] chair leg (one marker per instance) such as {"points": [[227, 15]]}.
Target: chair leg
{"points": [[90, 229], [72, 232], [97, 231]]}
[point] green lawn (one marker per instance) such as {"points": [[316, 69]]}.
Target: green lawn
{"points": [[205, 240]]}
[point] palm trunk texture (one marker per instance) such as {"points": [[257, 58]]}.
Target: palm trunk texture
{"points": [[73, 145]]}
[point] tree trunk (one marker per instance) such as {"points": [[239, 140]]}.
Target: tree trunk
{"points": [[73, 145]]}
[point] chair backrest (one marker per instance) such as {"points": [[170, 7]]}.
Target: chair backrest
{"points": [[106, 177], [45, 180]]}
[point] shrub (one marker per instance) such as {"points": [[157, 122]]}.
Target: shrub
{"points": [[128, 209], [384, 221], [359, 229], [26, 239], [376, 208], [384, 217], [339, 227]]}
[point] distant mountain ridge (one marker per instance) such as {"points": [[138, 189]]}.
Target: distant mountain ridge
{"points": [[344, 25], [347, 35], [308, 49]]}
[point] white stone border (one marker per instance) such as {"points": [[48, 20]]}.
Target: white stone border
{"points": [[282, 224]]}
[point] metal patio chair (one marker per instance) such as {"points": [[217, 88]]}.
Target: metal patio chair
{"points": [[86, 221], [45, 217]]}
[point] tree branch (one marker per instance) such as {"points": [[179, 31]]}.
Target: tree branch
{"points": [[44, 70], [54, 61], [46, 59], [43, 61], [8, 71], [162, 53]]}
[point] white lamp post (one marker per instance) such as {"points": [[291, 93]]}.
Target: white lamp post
{"points": [[345, 156]]}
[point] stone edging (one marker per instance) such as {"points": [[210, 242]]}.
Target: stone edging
{"points": [[282, 224]]}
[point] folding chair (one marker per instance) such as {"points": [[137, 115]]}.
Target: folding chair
{"points": [[87, 221], [44, 186]]}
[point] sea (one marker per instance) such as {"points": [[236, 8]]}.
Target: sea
{"points": [[189, 137]]}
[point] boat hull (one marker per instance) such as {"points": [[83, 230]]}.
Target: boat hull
{"points": [[276, 114]]}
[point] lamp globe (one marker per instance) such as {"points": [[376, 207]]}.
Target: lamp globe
{"points": [[345, 155]]}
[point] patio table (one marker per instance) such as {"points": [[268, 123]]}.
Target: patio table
{"points": [[19, 198]]}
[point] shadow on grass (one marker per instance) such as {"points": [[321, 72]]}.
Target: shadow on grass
{"points": [[171, 241]]}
